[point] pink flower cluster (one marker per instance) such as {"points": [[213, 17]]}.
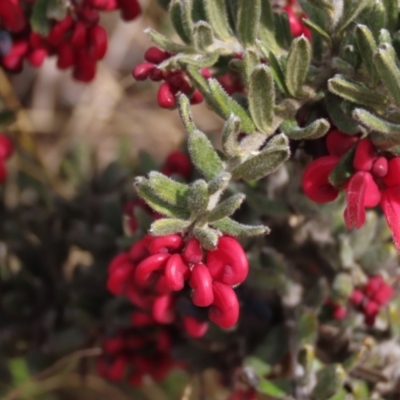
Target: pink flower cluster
{"points": [[368, 300], [156, 268], [375, 180], [78, 41]]}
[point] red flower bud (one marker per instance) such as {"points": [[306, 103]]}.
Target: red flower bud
{"points": [[138, 251], [224, 310], [316, 185], [148, 270], [116, 371], [3, 171], [296, 27], [97, 42], [380, 167], [85, 68], [177, 163], [58, 31], [228, 263], [392, 177], [36, 57], [371, 310], [78, 38], [373, 284], [201, 283], [142, 71], [6, 146], [163, 309], [66, 56], [339, 312], [141, 319], [166, 96], [118, 279], [118, 261], [113, 345], [155, 55], [164, 244], [338, 143], [163, 342], [176, 271], [139, 297], [383, 295], [193, 253], [390, 204], [364, 156], [196, 98], [195, 328], [156, 75], [130, 9], [357, 297]]}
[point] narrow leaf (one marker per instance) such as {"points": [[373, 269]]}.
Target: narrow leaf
{"points": [[230, 134], [219, 183], [388, 72], [367, 46], [164, 43], [315, 130], [248, 19], [343, 170], [198, 197], [217, 17], [168, 226], [226, 207], [392, 11], [351, 10], [329, 381], [231, 227], [207, 237], [374, 123], [180, 13], [203, 36], [250, 61], [297, 65], [339, 118], [262, 98], [317, 29]]}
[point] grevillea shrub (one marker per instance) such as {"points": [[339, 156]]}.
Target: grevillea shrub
{"points": [[268, 254]]}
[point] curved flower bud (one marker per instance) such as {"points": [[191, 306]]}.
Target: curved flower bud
{"points": [[338, 143], [139, 297], [116, 371], [142, 71], [141, 319], [193, 253], [113, 345], [164, 244], [138, 250], [117, 261], [357, 297], [166, 96], [118, 279], [161, 286], [155, 55], [390, 204], [201, 283], [195, 328], [177, 163], [176, 271], [373, 284], [380, 167], [316, 185], [364, 156], [163, 309], [371, 310], [224, 310], [146, 271], [228, 263], [392, 177]]}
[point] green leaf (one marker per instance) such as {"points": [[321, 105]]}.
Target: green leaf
{"points": [[388, 72], [392, 11], [198, 197], [231, 227], [342, 121], [168, 226], [262, 98], [19, 371], [374, 123], [217, 17], [165, 188], [377, 20], [282, 30], [207, 237], [257, 365], [227, 106], [342, 287], [261, 164], [226, 207], [164, 43], [307, 327], [145, 191], [40, 23], [183, 60], [297, 65], [329, 381], [315, 130], [267, 26], [219, 183], [56, 9], [203, 36], [180, 12], [269, 388], [230, 134], [317, 29], [248, 19], [277, 73], [352, 8], [357, 93], [250, 62], [203, 155], [343, 170], [367, 46]]}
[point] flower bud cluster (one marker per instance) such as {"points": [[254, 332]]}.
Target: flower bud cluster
{"points": [[174, 81], [368, 299], [374, 180], [6, 150], [156, 268], [78, 40], [133, 354]]}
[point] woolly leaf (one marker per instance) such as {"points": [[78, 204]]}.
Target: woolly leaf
{"points": [[172, 192], [367, 46], [226, 207], [388, 72], [186, 113], [355, 92], [262, 164], [343, 170], [230, 133], [329, 381], [181, 16], [248, 18], [183, 60], [219, 183], [374, 123], [203, 36], [342, 287], [231, 227], [317, 29], [203, 155], [324, 5], [262, 98], [342, 121], [352, 8], [198, 197], [315, 130], [267, 26], [164, 43], [168, 226], [250, 61], [297, 65], [217, 17], [377, 21], [201, 83], [145, 191], [391, 10], [276, 69], [227, 106], [282, 30], [207, 237]]}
